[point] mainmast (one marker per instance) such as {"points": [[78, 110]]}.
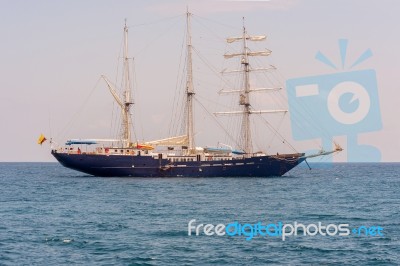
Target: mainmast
{"points": [[189, 88], [126, 102]]}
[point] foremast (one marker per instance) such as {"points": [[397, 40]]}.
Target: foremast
{"points": [[126, 101], [246, 90], [245, 98]]}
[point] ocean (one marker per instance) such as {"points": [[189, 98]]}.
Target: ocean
{"points": [[51, 215]]}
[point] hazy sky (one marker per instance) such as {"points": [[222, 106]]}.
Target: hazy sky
{"points": [[52, 54]]}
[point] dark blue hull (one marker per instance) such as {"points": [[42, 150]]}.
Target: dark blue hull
{"points": [[147, 166]]}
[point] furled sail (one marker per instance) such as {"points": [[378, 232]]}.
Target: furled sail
{"points": [[251, 90], [173, 141], [271, 67], [249, 38], [252, 112], [266, 52], [222, 150]]}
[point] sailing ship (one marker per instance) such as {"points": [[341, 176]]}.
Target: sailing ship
{"points": [[125, 158]]}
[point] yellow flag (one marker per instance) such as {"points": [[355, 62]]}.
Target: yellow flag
{"points": [[41, 139]]}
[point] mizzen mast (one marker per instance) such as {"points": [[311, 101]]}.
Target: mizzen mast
{"points": [[127, 122], [126, 102]]}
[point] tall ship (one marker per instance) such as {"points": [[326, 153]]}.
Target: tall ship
{"points": [[178, 156]]}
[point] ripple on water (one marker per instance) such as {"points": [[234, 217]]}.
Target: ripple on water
{"points": [[52, 215]]}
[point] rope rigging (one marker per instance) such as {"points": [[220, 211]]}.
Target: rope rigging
{"points": [[233, 127]]}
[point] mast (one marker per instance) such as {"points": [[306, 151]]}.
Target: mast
{"points": [[126, 101], [246, 90], [245, 98], [126, 119], [189, 88]]}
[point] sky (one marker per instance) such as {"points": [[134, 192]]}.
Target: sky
{"points": [[52, 54]]}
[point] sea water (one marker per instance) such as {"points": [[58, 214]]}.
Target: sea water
{"points": [[51, 215]]}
